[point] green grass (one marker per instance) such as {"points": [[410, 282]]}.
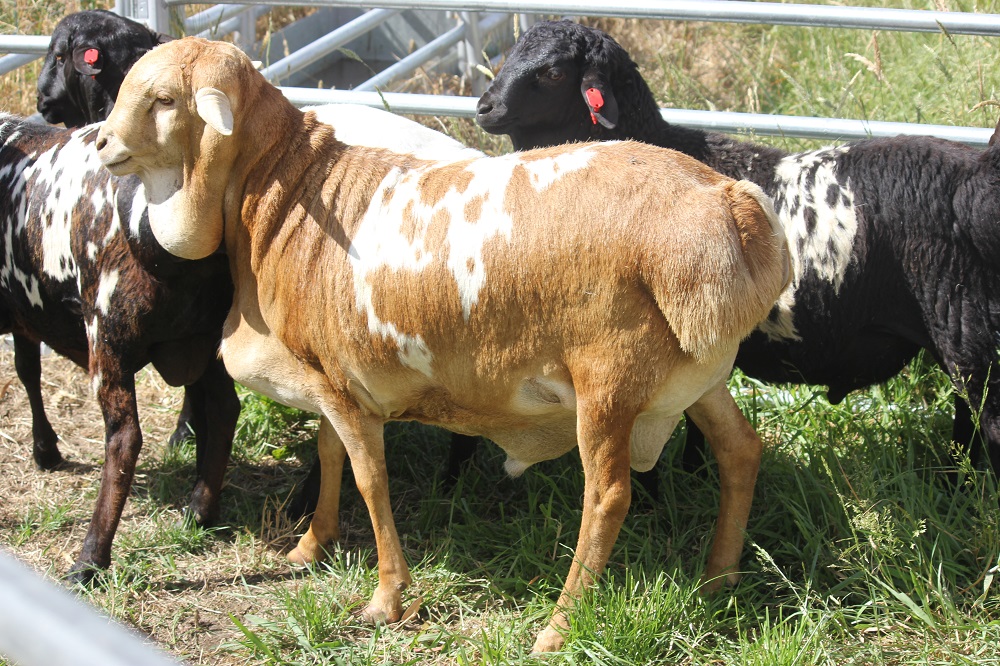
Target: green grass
{"points": [[858, 552], [859, 548]]}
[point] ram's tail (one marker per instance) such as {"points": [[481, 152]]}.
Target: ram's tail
{"points": [[725, 274]]}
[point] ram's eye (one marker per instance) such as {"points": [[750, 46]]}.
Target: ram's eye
{"points": [[165, 100]]}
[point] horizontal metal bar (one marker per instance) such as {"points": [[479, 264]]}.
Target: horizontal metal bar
{"points": [[730, 11], [211, 17], [43, 624], [36, 44], [220, 30], [827, 129], [230, 25], [332, 41], [430, 50], [9, 63], [417, 104]]}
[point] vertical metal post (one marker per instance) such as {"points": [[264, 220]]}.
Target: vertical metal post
{"points": [[153, 13], [246, 34], [472, 49]]}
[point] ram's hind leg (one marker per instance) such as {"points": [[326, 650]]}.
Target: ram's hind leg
{"points": [[325, 526], [603, 434], [737, 450]]}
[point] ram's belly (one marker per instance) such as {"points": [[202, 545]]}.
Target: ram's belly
{"points": [[548, 412]]}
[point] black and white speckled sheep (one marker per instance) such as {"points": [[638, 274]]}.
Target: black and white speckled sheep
{"points": [[894, 241], [81, 271]]}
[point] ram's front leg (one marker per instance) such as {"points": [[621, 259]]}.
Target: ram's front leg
{"points": [[123, 441]]}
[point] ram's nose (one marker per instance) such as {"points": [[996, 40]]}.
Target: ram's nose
{"points": [[112, 157]]}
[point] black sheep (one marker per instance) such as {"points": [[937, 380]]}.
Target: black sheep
{"points": [[88, 57], [894, 240]]}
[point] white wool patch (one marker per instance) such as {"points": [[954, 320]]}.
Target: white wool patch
{"points": [[393, 234], [105, 289], [382, 242], [136, 210], [817, 212], [91, 329], [544, 172], [11, 272], [66, 171], [358, 125]]}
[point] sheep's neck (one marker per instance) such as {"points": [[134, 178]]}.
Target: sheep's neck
{"points": [[275, 178], [182, 221]]}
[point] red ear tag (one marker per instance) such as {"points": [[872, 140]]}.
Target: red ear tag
{"points": [[90, 56], [596, 101]]}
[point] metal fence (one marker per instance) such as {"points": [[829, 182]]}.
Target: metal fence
{"points": [[472, 26], [44, 625]]}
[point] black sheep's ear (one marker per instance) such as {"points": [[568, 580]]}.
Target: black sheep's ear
{"points": [[88, 60], [599, 98], [161, 38], [996, 135]]}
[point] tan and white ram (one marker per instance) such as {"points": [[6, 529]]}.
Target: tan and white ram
{"points": [[575, 296]]}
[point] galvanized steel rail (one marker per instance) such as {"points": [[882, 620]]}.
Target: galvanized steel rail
{"points": [[42, 624], [829, 16], [726, 11], [761, 124]]}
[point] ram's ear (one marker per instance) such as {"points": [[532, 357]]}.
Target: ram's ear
{"points": [[214, 108], [600, 98], [88, 60]]}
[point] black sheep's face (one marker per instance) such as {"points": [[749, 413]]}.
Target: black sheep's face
{"points": [[54, 98], [87, 60], [536, 99]]}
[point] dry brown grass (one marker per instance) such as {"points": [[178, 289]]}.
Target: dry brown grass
{"points": [[186, 602]]}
